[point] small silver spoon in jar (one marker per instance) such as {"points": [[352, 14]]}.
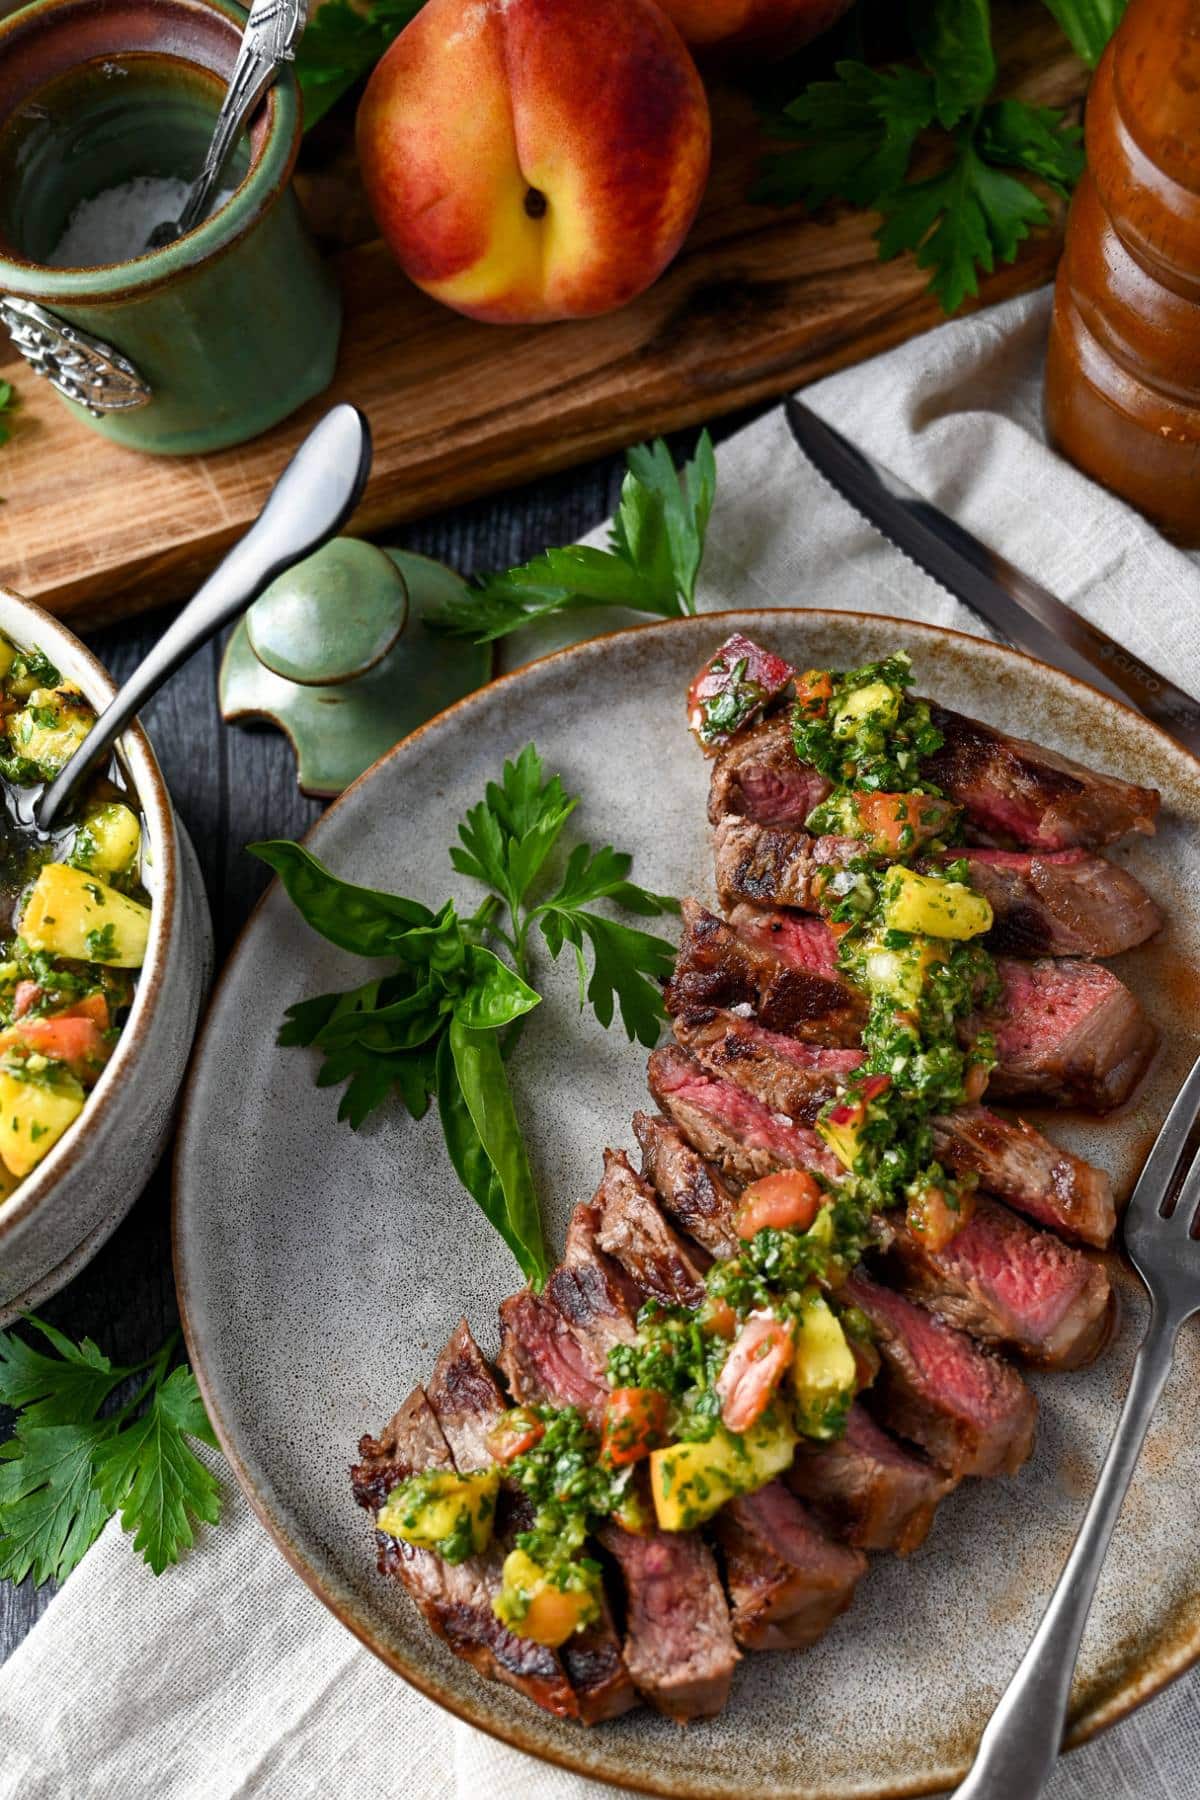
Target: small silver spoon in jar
{"points": [[269, 40]]}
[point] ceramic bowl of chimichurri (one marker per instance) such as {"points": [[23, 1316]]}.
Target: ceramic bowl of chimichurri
{"points": [[105, 948]]}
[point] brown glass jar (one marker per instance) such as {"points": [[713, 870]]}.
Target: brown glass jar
{"points": [[1122, 393]]}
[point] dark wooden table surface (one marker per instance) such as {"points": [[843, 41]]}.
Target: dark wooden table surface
{"points": [[232, 785]]}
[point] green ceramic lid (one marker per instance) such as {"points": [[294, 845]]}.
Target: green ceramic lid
{"points": [[331, 617]]}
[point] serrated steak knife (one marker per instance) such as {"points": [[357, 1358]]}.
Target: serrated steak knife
{"points": [[1024, 613]]}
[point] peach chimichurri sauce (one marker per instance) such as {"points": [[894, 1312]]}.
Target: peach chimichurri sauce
{"points": [[74, 920]]}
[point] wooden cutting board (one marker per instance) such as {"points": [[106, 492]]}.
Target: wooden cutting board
{"points": [[758, 302]]}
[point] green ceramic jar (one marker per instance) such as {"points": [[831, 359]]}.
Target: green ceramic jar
{"points": [[229, 329]]}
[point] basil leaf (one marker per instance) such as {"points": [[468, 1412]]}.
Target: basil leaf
{"points": [[485, 1143], [494, 996], [401, 1025], [1088, 23], [359, 919]]}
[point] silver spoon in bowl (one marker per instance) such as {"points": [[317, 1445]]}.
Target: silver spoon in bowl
{"points": [[269, 40], [308, 505]]}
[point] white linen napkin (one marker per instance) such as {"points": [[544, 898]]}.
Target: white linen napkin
{"points": [[226, 1677]]}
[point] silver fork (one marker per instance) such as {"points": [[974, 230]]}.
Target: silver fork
{"points": [[1018, 1750]]}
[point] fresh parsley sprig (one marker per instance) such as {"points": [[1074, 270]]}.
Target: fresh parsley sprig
{"points": [[651, 564], [341, 44], [75, 1459], [855, 138], [8, 406], [444, 1021]]}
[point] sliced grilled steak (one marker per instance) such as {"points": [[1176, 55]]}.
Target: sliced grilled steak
{"points": [[788, 1579], [1046, 903], [455, 1598], [760, 776], [634, 1232], [787, 1075], [869, 1489], [1061, 903], [1007, 1283], [1037, 1177], [778, 964], [971, 1412], [1067, 1031], [692, 1192], [727, 1125], [1019, 792], [467, 1399], [679, 1645], [541, 1354]]}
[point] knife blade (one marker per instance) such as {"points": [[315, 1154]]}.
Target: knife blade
{"points": [[1020, 609]]}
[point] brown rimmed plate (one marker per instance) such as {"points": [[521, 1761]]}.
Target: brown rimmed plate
{"points": [[320, 1271]]}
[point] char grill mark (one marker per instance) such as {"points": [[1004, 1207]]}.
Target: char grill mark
{"points": [[870, 1490], [718, 966], [1008, 1284], [1046, 903], [455, 1598], [969, 1411], [634, 1232], [679, 1645], [786, 1074], [760, 776], [1017, 791], [728, 1126], [1039, 1178], [788, 1579], [689, 1190]]}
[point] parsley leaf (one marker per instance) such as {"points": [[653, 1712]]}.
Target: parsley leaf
{"points": [[342, 44], [8, 406], [954, 40], [652, 562], [857, 133], [71, 1463], [1088, 24]]}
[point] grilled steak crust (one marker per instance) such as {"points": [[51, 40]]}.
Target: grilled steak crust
{"points": [[969, 1411], [679, 1645], [1020, 792], [719, 965], [1068, 1031], [760, 775], [870, 1490], [788, 1579], [1061, 903], [634, 1232], [1046, 903], [787, 1074], [689, 1190], [455, 1598], [1037, 1177], [467, 1399], [727, 1125], [1009, 1284]]}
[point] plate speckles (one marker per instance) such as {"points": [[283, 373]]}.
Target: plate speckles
{"points": [[321, 1271]]}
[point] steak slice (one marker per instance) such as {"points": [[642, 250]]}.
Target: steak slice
{"points": [[787, 1075], [760, 775], [1037, 1177], [634, 1232], [1068, 1031], [467, 1399], [1018, 791], [869, 1489], [788, 1579], [1007, 1283], [971, 1412], [1046, 903], [689, 1190], [1061, 903], [728, 1126], [455, 1598], [679, 1645], [780, 965]]}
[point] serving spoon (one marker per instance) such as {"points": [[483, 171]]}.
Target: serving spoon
{"points": [[308, 505], [1018, 1750], [269, 40]]}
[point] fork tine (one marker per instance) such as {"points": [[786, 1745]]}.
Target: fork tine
{"points": [[1186, 1202], [1169, 1145]]}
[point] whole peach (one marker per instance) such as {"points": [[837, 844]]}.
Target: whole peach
{"points": [[776, 26], [535, 159]]}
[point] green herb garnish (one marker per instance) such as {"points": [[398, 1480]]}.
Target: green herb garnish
{"points": [[341, 45]]}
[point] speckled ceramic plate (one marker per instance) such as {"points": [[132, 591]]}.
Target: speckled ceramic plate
{"points": [[320, 1271]]}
